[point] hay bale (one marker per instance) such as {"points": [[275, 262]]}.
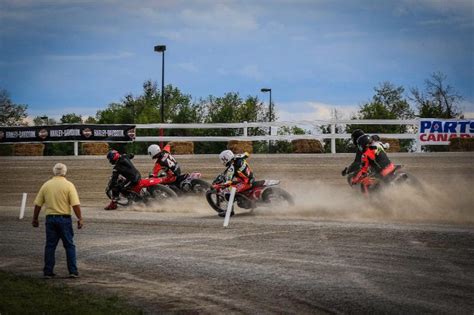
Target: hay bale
{"points": [[181, 147], [394, 144], [239, 147], [94, 148], [28, 149], [461, 145], [307, 146]]}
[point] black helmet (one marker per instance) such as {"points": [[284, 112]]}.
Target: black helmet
{"points": [[113, 156], [356, 134], [363, 141]]}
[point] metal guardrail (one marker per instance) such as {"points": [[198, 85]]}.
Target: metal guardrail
{"points": [[278, 124]]}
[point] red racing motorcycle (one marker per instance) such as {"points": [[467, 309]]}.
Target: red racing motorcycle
{"points": [[397, 178], [262, 193], [186, 184], [147, 189]]}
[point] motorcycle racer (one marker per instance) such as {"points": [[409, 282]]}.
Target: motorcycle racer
{"points": [[357, 163], [374, 158], [237, 173], [124, 167], [164, 162]]}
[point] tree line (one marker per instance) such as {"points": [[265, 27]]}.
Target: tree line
{"points": [[437, 99]]}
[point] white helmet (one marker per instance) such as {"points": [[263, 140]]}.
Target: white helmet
{"points": [[153, 150], [226, 156]]}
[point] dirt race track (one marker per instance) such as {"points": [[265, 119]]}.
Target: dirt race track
{"points": [[335, 252]]}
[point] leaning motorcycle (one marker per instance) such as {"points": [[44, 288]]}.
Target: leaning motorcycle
{"points": [[396, 179], [262, 193], [188, 184], [146, 190]]}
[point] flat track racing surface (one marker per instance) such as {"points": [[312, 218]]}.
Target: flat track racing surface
{"points": [[406, 251]]}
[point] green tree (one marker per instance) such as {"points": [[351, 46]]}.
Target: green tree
{"points": [[179, 108], [44, 120], [11, 114], [231, 108], [391, 97], [115, 113], [145, 109], [71, 119], [90, 120], [387, 103], [438, 100]]}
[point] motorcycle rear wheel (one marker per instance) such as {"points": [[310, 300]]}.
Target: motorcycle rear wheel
{"points": [[407, 179], [124, 202], [200, 186], [276, 195]]}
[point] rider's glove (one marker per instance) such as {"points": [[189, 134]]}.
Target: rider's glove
{"points": [[375, 138], [344, 172], [223, 185], [162, 173]]}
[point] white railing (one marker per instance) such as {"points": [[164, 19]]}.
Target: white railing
{"points": [[315, 124]]}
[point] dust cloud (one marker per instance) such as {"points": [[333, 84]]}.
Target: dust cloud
{"points": [[451, 202]]}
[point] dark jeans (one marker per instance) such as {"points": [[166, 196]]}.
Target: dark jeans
{"points": [[59, 227]]}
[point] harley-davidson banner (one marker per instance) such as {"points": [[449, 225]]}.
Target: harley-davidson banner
{"points": [[58, 133]]}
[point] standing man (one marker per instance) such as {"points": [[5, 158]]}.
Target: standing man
{"points": [[58, 195]]}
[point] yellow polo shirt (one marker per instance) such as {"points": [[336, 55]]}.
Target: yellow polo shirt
{"points": [[58, 194]]}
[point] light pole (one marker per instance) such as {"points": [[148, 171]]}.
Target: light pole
{"points": [[264, 90], [161, 49]]}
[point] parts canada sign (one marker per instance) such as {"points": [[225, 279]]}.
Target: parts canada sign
{"points": [[73, 132], [434, 131]]}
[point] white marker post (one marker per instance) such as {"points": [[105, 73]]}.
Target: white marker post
{"points": [[230, 205], [23, 205]]}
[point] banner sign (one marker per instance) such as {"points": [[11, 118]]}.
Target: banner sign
{"points": [[73, 132], [435, 131]]}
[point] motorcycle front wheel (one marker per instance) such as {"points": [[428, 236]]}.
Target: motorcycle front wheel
{"points": [[161, 192], [216, 200], [123, 200]]}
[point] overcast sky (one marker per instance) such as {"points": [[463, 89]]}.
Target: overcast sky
{"points": [[63, 56]]}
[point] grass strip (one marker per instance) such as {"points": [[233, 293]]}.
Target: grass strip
{"points": [[27, 295]]}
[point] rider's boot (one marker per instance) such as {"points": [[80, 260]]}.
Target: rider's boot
{"points": [[111, 206]]}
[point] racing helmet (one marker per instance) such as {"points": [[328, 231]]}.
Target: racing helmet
{"points": [[226, 156], [153, 150], [356, 134], [363, 141], [113, 156]]}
